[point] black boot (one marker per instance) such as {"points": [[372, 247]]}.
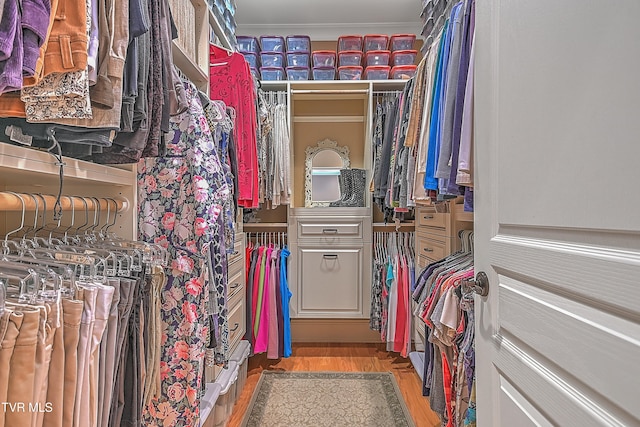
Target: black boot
{"points": [[345, 188], [358, 188]]}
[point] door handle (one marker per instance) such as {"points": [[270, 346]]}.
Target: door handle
{"points": [[235, 327], [428, 217], [329, 231], [427, 249], [330, 256], [234, 286], [480, 284]]}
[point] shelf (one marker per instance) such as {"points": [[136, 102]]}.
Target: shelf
{"points": [[217, 28], [461, 215], [190, 69], [20, 165], [260, 226], [274, 85], [328, 119]]}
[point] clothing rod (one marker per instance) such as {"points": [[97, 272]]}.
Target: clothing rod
{"points": [[16, 202], [383, 92], [329, 91]]}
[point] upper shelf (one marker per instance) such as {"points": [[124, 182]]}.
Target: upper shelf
{"points": [[377, 85], [20, 165]]}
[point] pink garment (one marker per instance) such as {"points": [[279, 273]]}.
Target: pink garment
{"points": [[273, 347], [232, 83], [255, 311], [262, 339]]}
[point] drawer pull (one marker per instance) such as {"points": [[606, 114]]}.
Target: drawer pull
{"points": [[234, 286], [428, 217], [329, 231], [235, 327], [427, 249], [330, 256]]}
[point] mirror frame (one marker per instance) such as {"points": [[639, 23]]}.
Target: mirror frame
{"points": [[311, 152]]}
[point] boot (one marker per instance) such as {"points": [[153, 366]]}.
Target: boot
{"points": [[345, 188], [358, 188]]}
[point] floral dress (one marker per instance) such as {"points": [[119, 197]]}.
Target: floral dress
{"points": [[180, 197]]}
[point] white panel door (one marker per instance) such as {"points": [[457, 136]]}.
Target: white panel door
{"points": [[557, 137]]}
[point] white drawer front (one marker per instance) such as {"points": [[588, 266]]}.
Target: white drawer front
{"points": [[330, 230]]}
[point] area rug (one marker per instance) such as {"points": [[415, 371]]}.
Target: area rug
{"points": [[327, 399]]}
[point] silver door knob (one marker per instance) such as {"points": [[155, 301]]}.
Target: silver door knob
{"points": [[480, 284]]}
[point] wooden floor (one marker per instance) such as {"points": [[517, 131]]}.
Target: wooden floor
{"points": [[342, 358]]}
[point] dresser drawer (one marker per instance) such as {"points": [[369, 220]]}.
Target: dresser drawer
{"points": [[430, 248], [330, 229], [426, 217], [235, 290], [235, 266], [236, 324]]}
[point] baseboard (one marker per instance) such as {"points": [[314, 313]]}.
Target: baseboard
{"points": [[333, 330]]}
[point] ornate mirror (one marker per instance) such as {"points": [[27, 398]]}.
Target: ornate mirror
{"points": [[323, 165]]}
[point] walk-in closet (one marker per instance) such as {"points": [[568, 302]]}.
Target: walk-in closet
{"points": [[246, 213]]}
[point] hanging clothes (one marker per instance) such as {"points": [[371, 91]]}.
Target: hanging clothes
{"points": [[393, 281], [181, 197], [268, 296], [445, 304]]}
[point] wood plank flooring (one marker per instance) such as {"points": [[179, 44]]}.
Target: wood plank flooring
{"points": [[342, 358]]}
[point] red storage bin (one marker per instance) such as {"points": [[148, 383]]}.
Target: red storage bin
{"points": [[350, 58], [403, 72], [324, 58], [377, 57], [350, 73], [349, 43], [402, 42], [377, 72], [298, 44], [404, 57], [376, 42]]}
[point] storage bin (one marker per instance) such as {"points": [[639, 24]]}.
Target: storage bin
{"points": [[297, 73], [252, 59], [324, 73], [298, 59], [208, 404], [272, 44], [402, 72], [350, 58], [402, 41], [324, 58], [272, 59], [350, 73], [375, 42], [403, 57], [298, 43], [248, 44], [271, 73], [377, 72], [349, 43], [241, 357], [227, 381], [377, 57]]}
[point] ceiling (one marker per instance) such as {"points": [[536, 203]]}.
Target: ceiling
{"points": [[327, 19]]}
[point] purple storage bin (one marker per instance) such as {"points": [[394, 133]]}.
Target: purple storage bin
{"points": [[298, 59], [272, 73], [297, 73], [298, 44], [324, 73], [272, 59], [248, 44], [350, 58], [272, 44], [350, 73], [252, 59]]}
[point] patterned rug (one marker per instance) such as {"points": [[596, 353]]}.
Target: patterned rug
{"points": [[327, 399]]}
